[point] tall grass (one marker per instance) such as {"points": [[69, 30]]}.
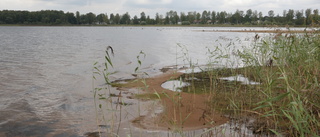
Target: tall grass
{"points": [[286, 103], [290, 89], [102, 100]]}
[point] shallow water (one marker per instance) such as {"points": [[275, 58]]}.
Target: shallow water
{"points": [[174, 85], [46, 72], [242, 79]]}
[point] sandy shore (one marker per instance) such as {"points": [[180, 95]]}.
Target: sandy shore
{"points": [[182, 111]]}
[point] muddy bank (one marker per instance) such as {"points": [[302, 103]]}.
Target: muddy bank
{"points": [[181, 111]]}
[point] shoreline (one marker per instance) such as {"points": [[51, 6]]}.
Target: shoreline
{"points": [[263, 31], [182, 111], [161, 25]]}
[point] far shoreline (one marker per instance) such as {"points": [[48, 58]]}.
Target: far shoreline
{"points": [[161, 25]]}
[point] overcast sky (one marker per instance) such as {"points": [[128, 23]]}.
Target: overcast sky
{"points": [[151, 7]]}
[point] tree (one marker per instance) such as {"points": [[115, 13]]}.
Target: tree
{"points": [[315, 18], [105, 19], [83, 19], [299, 17], [284, 13], [271, 16], [255, 16], [54, 17], [112, 21], [117, 19], [158, 21], [198, 16], [78, 17], [222, 17], [150, 20], [248, 16], [260, 16], [175, 17], [100, 18], [135, 20], [191, 16], [91, 18], [271, 13], [183, 16], [308, 17], [167, 20], [290, 16], [204, 17], [142, 16], [237, 17], [209, 15], [125, 18], [213, 17], [70, 18]]}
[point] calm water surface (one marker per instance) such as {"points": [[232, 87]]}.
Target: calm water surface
{"points": [[46, 72]]}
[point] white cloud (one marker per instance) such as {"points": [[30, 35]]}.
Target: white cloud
{"points": [[15, 4], [152, 2], [150, 7]]}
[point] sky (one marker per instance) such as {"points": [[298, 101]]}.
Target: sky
{"points": [[151, 7]]}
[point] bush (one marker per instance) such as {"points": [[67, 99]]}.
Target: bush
{"points": [[143, 23], [185, 23]]}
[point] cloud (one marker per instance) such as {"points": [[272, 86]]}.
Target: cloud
{"points": [[151, 2], [147, 3], [75, 2], [150, 7]]}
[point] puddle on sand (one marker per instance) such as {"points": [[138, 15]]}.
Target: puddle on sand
{"points": [[241, 79], [174, 85], [191, 70]]}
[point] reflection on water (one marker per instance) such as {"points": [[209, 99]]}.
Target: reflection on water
{"points": [[242, 79], [46, 72], [174, 85], [191, 70]]}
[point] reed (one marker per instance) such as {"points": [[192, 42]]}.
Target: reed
{"points": [[285, 102]]}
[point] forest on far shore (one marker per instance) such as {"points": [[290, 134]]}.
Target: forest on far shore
{"points": [[308, 17]]}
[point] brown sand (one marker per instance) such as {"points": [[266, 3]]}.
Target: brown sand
{"points": [[182, 111]]}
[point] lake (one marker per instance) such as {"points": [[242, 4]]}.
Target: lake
{"points": [[46, 72]]}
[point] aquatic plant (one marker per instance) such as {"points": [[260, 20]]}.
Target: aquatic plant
{"points": [[101, 97], [284, 100], [289, 87]]}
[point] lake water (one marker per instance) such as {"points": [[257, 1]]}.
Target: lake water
{"points": [[46, 72]]}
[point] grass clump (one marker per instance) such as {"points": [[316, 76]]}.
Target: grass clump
{"points": [[287, 100]]}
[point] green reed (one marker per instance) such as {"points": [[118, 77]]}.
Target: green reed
{"points": [[290, 83], [102, 99], [287, 100], [285, 103]]}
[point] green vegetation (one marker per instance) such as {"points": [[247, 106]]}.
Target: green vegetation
{"points": [[148, 96], [287, 100], [103, 96], [250, 17]]}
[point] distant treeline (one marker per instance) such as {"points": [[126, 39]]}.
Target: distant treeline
{"points": [[249, 17]]}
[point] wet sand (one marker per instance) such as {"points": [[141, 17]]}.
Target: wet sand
{"points": [[181, 111]]}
